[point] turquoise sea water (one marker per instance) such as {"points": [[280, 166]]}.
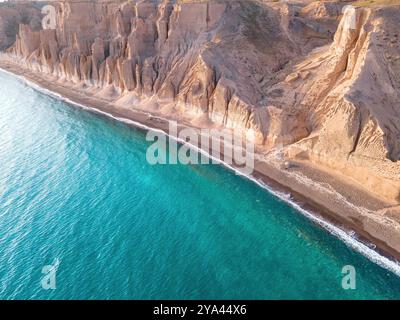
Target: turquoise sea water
{"points": [[75, 188]]}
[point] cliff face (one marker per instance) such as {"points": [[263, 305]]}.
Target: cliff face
{"points": [[303, 77], [352, 100], [212, 58], [11, 16]]}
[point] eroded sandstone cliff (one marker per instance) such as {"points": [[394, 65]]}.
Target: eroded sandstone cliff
{"points": [[352, 100], [321, 85], [205, 57], [12, 15]]}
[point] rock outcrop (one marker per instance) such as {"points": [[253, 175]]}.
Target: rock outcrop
{"points": [[14, 14], [351, 99], [318, 82]]}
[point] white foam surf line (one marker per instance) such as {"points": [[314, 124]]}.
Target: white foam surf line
{"points": [[339, 233]]}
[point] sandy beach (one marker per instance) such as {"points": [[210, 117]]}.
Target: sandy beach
{"points": [[332, 201]]}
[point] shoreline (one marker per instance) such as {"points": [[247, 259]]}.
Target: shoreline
{"points": [[319, 207]]}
